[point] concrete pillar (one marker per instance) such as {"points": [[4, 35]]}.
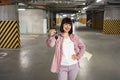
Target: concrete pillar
{"points": [[82, 19], [48, 20], [96, 17], [58, 19], [51, 20], [112, 20], [9, 27]]}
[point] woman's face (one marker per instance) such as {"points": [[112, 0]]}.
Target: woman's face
{"points": [[66, 27]]}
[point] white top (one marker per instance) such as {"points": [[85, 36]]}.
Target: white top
{"points": [[68, 51]]}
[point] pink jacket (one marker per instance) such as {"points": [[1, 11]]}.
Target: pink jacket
{"points": [[51, 42]]}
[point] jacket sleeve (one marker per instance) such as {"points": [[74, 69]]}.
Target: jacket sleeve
{"points": [[81, 47], [51, 41]]}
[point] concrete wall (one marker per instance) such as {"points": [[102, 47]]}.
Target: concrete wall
{"points": [[33, 21], [112, 12], [8, 12]]}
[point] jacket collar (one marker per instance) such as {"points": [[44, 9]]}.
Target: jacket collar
{"points": [[71, 35]]}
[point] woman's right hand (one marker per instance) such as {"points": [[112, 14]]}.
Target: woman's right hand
{"points": [[51, 32], [74, 57]]}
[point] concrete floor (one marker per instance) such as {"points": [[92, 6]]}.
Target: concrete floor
{"points": [[32, 61]]}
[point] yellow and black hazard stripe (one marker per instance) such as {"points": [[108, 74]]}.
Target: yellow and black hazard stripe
{"points": [[9, 34], [111, 26]]}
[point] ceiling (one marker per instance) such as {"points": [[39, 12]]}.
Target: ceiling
{"points": [[58, 5], [53, 5]]}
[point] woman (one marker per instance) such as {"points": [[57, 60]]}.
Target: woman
{"points": [[68, 51]]}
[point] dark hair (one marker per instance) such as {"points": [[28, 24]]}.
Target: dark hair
{"points": [[68, 21]]}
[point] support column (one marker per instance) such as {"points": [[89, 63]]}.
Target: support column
{"points": [[9, 27], [112, 20]]}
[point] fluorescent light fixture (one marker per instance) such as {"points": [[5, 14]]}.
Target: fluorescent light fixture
{"points": [[64, 15], [21, 4], [85, 8], [83, 3], [21, 9], [98, 1], [72, 14], [79, 11]]}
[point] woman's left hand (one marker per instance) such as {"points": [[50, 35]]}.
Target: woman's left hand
{"points": [[74, 57]]}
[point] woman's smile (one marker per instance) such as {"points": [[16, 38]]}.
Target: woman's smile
{"points": [[67, 27]]}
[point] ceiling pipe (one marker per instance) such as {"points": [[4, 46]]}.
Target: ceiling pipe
{"points": [[56, 2], [95, 5]]}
